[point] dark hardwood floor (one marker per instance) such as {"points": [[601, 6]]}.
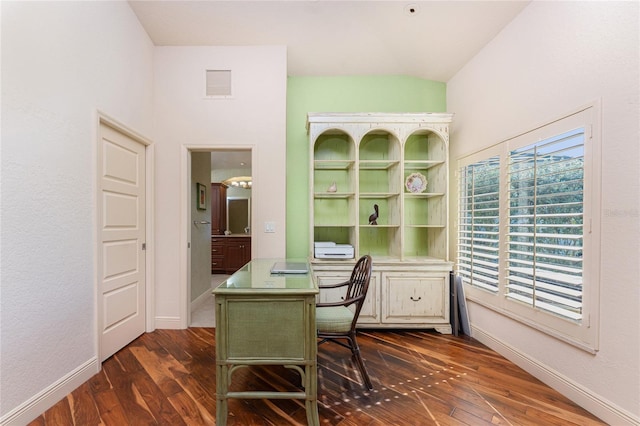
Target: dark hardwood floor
{"points": [[420, 377]]}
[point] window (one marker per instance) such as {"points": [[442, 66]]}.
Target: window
{"points": [[528, 236]]}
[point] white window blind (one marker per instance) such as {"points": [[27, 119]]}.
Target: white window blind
{"points": [[545, 219], [479, 224]]}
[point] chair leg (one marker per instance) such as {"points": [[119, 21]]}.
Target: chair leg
{"points": [[355, 350]]}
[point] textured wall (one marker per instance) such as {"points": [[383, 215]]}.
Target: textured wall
{"points": [[552, 59], [61, 62]]}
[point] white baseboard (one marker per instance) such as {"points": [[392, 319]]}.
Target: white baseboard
{"points": [[175, 323], [50, 396], [168, 323], [595, 404]]}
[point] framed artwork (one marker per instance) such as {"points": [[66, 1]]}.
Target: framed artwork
{"points": [[202, 197]]}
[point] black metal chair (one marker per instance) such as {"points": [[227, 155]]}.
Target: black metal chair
{"points": [[336, 321]]}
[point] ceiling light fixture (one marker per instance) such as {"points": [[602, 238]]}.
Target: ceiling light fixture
{"points": [[239, 182]]}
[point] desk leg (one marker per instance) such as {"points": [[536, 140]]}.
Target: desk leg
{"points": [[311, 388], [222, 386], [312, 412]]}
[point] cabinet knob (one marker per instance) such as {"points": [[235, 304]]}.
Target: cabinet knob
{"points": [[415, 299]]}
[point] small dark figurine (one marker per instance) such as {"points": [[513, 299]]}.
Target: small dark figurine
{"points": [[373, 219]]}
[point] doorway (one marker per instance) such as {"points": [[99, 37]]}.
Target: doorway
{"points": [[207, 166]]}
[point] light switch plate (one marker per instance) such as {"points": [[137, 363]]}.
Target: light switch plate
{"points": [[270, 227]]}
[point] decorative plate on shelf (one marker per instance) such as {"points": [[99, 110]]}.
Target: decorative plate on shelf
{"points": [[415, 183]]}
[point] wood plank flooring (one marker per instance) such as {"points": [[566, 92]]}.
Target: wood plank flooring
{"points": [[420, 377]]}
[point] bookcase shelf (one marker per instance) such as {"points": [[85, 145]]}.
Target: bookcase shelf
{"points": [[374, 195], [344, 195]]}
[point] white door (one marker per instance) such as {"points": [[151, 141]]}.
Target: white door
{"points": [[121, 239]]}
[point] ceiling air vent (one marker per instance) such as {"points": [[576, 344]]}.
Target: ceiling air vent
{"points": [[218, 83]]}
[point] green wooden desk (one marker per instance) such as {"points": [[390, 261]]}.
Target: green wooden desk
{"points": [[265, 319]]}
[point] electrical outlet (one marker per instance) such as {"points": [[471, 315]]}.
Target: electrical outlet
{"points": [[270, 227]]}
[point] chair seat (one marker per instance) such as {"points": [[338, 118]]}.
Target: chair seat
{"points": [[334, 319]]}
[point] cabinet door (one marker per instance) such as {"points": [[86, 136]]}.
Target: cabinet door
{"points": [[370, 313], [410, 298], [236, 253], [218, 208]]}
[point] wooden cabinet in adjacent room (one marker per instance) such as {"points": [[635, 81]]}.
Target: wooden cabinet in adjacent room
{"points": [[229, 253], [218, 208], [238, 253]]}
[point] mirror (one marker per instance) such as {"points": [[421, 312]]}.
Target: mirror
{"points": [[239, 215]]}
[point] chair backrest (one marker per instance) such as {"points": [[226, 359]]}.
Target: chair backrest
{"points": [[359, 285]]}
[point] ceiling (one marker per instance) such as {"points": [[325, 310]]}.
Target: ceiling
{"points": [[426, 39], [230, 159]]}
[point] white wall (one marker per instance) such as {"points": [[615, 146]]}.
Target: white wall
{"points": [[61, 62], [553, 58], [254, 118]]}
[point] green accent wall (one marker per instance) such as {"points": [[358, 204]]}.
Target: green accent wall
{"points": [[340, 94]]}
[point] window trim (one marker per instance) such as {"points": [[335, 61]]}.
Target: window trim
{"points": [[584, 335]]}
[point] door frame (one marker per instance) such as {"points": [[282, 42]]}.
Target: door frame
{"points": [[103, 118], [185, 217]]}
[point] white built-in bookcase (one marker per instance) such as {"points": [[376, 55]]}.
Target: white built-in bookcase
{"points": [[358, 160]]}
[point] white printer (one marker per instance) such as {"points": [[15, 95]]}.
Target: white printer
{"points": [[331, 250]]}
